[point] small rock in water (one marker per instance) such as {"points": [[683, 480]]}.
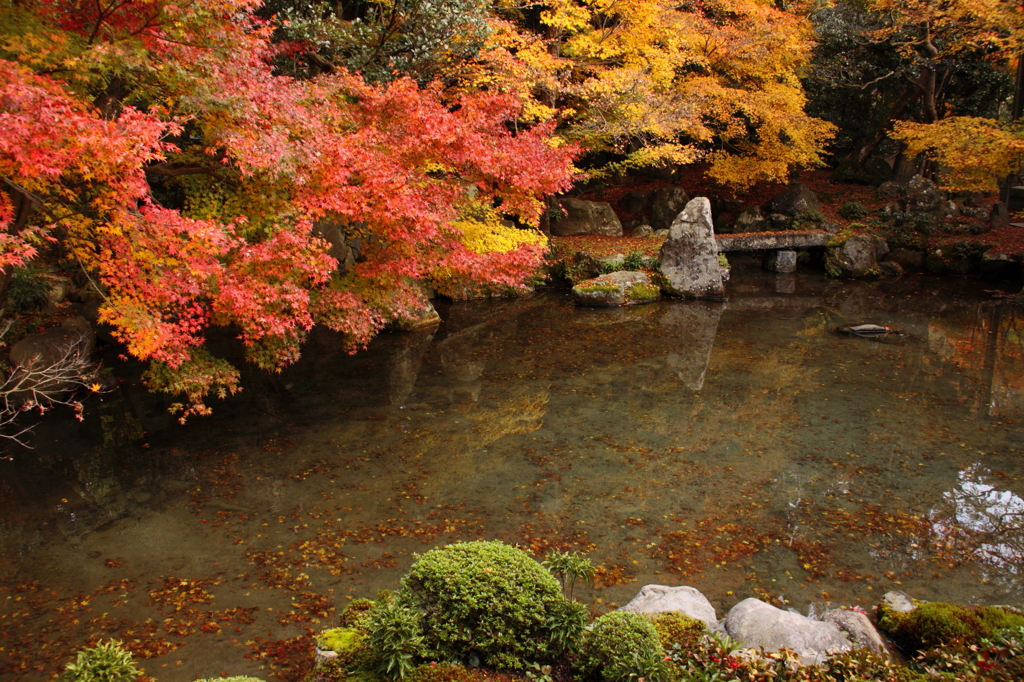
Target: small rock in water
{"points": [[867, 330]]}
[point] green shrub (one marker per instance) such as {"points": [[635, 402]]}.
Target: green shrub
{"points": [[569, 568], [396, 639], [105, 662], [635, 260], [356, 615], [621, 646], [853, 210], [488, 599], [28, 289]]}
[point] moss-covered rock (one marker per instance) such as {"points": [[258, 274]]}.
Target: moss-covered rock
{"points": [[937, 623]]}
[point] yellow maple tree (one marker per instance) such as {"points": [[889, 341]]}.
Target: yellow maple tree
{"points": [[662, 82]]}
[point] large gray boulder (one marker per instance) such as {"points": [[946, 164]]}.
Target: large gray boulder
{"points": [[585, 217], [796, 199], [758, 624], [689, 256], [52, 362], [666, 203], [921, 195], [857, 628], [856, 256], [917, 195], [50, 346], [616, 289], [750, 220], [684, 599]]}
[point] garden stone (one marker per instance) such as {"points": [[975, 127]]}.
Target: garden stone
{"points": [[999, 216], [50, 345], [57, 292], [975, 212], [857, 256], [339, 250], [585, 217], [797, 198], [908, 259], [661, 233], [750, 220], [635, 202], [425, 319], [890, 189], [616, 289], [922, 195], [642, 231], [890, 268], [995, 263], [666, 203], [898, 601], [758, 624], [777, 222], [684, 599], [857, 628], [689, 257], [783, 261]]}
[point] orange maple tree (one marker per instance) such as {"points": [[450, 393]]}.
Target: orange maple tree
{"points": [[103, 104]]}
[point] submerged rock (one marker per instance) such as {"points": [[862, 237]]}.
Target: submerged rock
{"points": [[689, 257], [684, 599], [616, 289], [758, 624]]}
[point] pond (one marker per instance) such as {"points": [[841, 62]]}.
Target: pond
{"points": [[743, 448]]}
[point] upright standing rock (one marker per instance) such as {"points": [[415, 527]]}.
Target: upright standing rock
{"points": [[689, 257]]}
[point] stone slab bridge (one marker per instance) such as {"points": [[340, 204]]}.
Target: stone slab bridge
{"points": [[780, 247], [771, 241]]}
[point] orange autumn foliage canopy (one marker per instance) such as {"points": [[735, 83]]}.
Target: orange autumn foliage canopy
{"points": [[188, 89]]}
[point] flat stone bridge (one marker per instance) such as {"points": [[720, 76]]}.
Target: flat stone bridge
{"points": [[771, 241]]}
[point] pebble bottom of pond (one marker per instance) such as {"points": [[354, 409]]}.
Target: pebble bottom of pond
{"points": [[744, 448]]}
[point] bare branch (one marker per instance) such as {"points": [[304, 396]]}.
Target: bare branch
{"points": [[40, 384]]}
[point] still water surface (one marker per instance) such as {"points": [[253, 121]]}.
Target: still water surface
{"points": [[743, 448]]}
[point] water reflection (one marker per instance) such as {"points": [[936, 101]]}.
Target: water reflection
{"points": [[740, 447], [988, 520]]}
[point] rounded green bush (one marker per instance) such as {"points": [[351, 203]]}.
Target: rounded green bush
{"points": [[619, 646], [484, 598]]}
